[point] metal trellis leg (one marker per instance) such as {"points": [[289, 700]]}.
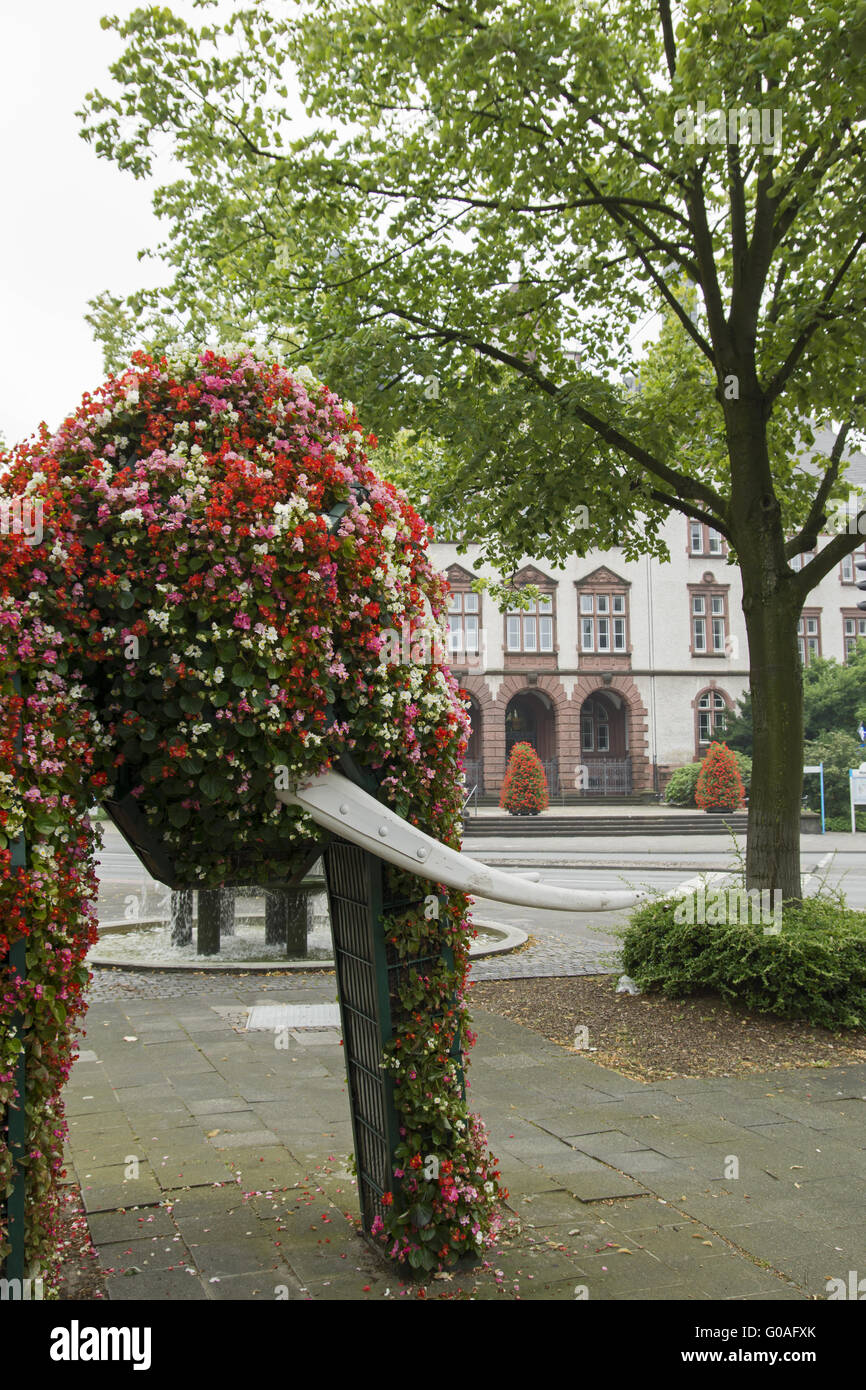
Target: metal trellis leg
{"points": [[355, 897]]}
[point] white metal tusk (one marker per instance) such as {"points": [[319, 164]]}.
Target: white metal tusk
{"points": [[338, 805]]}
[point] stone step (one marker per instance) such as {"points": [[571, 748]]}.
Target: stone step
{"points": [[546, 824]]}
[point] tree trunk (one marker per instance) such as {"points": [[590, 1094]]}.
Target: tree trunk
{"points": [[772, 602], [776, 682]]}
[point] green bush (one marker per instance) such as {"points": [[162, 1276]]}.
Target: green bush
{"points": [[841, 823], [814, 969], [838, 752], [680, 790]]}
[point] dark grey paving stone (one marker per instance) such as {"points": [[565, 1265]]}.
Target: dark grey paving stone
{"points": [[144, 1256], [156, 1286], [601, 1145], [269, 1286], [103, 1150], [225, 1105], [87, 1106], [683, 1246], [538, 1210], [639, 1162], [251, 1139], [130, 1227], [110, 1196], [782, 1294], [600, 1185], [611, 1274], [730, 1276], [668, 1293], [191, 1173], [528, 1180], [203, 1203]]}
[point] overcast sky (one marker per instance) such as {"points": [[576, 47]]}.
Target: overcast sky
{"points": [[71, 223]]}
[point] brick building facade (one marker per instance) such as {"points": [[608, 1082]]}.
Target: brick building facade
{"points": [[621, 670]]}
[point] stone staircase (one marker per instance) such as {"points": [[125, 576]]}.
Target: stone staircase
{"points": [[605, 824]]}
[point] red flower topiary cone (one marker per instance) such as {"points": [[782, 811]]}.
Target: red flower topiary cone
{"points": [[524, 791], [719, 784]]}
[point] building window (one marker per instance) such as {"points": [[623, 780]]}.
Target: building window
{"points": [[809, 636], [847, 572], [704, 540], [595, 727], [463, 624], [530, 629], [709, 618], [603, 622], [712, 709], [798, 561], [854, 631]]}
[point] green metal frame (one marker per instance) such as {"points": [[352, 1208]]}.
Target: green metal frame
{"points": [[356, 901]]}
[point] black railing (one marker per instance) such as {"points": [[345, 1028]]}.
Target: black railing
{"points": [[473, 770], [551, 772], [605, 777]]}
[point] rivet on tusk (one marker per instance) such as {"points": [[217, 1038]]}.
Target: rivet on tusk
{"points": [[344, 810], [383, 831], [421, 852]]}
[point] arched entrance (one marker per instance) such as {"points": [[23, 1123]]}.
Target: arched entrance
{"points": [[530, 718], [605, 764]]}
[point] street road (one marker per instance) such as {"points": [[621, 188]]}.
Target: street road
{"points": [[602, 864]]}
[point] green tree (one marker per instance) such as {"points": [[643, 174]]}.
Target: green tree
{"points": [[834, 699], [838, 751], [470, 226]]}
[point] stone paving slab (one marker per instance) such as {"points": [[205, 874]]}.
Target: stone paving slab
{"points": [[243, 1177]]}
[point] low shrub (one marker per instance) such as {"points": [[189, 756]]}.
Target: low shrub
{"points": [[680, 790], [842, 823], [814, 969]]}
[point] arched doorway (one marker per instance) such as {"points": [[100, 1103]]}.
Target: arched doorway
{"points": [[605, 764], [530, 718]]}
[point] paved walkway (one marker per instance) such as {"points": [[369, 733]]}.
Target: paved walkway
{"points": [[213, 1164]]}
